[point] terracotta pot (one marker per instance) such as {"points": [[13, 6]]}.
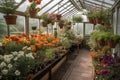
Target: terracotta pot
{"points": [[98, 21], [101, 43], [44, 24], [32, 14], [92, 20], [111, 44], [10, 19]]}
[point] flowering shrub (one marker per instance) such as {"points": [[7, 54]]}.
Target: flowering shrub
{"points": [[16, 65]]}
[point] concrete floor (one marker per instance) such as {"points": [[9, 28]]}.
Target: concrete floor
{"points": [[77, 67]]}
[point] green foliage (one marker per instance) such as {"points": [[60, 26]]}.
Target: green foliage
{"points": [[104, 28], [8, 6], [32, 7], [77, 19], [13, 46], [50, 53]]}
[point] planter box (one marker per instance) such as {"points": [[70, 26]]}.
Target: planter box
{"points": [[46, 73]]}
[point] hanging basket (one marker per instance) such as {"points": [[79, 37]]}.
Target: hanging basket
{"points": [[99, 21], [10, 19], [32, 14], [111, 44], [44, 24]]}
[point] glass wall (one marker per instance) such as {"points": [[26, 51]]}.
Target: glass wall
{"points": [[78, 29], [88, 28], [33, 25]]}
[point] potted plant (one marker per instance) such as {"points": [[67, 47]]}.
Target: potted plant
{"points": [[77, 19], [46, 19], [113, 40], [61, 24], [8, 7], [33, 9], [91, 17]]}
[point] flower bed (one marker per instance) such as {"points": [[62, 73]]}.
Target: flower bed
{"points": [[22, 56]]}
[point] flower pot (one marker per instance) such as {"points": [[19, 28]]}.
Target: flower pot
{"points": [[10, 19], [44, 24], [101, 43], [32, 14], [98, 21], [111, 44]]}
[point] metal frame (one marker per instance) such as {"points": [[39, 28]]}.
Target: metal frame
{"points": [[68, 12], [66, 9], [61, 6], [73, 12], [96, 3], [53, 6]]}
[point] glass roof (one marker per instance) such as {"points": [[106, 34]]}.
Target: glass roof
{"points": [[67, 7]]}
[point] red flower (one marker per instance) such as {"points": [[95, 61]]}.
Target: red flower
{"points": [[30, 0], [38, 9]]}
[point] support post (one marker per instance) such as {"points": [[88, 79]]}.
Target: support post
{"points": [[26, 25], [8, 30]]}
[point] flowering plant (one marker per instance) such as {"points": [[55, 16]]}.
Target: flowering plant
{"points": [[16, 65]]}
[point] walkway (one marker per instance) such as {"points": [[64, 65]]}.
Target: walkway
{"points": [[77, 67]]}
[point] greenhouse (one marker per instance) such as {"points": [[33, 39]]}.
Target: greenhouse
{"points": [[59, 39]]}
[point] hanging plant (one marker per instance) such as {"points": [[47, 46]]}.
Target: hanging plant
{"points": [[30, 0], [77, 19], [8, 7], [38, 1], [61, 24], [33, 10]]}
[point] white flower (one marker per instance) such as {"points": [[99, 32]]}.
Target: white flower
{"points": [[1, 57], [17, 72], [29, 48], [25, 47], [0, 44], [30, 55], [14, 53], [0, 77], [3, 64], [7, 58], [4, 71], [11, 56], [21, 52], [16, 58], [10, 66]]}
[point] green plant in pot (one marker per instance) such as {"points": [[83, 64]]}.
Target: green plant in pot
{"points": [[33, 9], [113, 40], [77, 19], [101, 39], [91, 16], [46, 19], [9, 7]]}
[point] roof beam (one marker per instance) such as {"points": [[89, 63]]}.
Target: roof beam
{"points": [[103, 2], [67, 9], [74, 4], [95, 3], [82, 5], [72, 13], [53, 6], [47, 4], [87, 6], [60, 6]]}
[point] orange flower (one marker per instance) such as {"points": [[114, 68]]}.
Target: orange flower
{"points": [[93, 55], [33, 47], [50, 44], [38, 1]]}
